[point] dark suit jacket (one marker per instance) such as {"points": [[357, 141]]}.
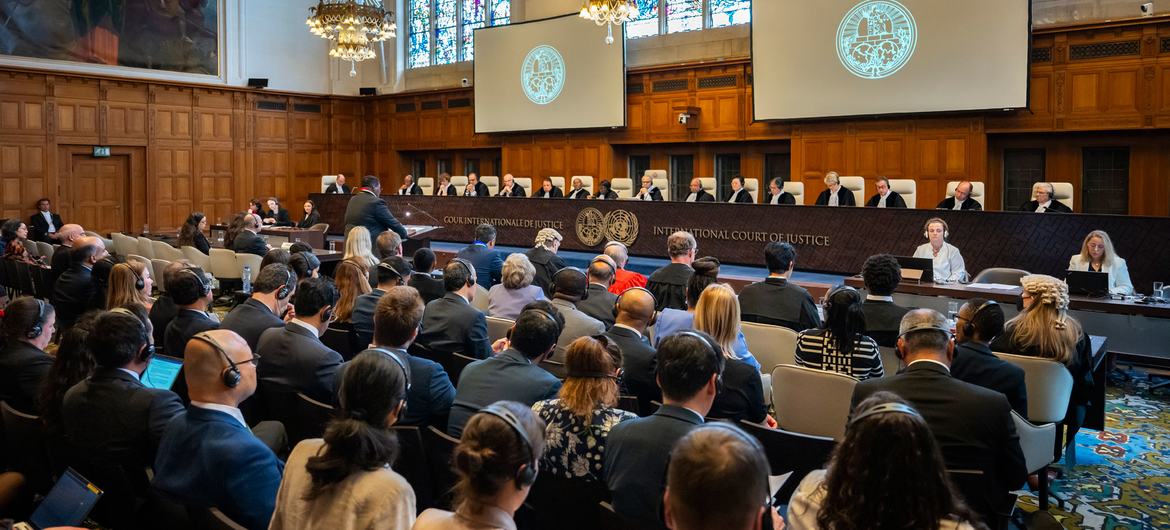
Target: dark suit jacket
{"points": [[599, 305], [162, 313], [363, 315], [488, 263], [508, 376], [844, 198], [669, 285], [428, 287], [655, 194], [22, 370], [517, 191], [640, 363], [72, 295], [60, 263], [201, 243], [636, 455], [895, 200], [778, 302], [38, 229], [451, 191], [975, 364], [785, 198], [579, 194], [743, 197], [369, 210], [281, 216], [1055, 207], [248, 242], [547, 264], [969, 204], [742, 394], [184, 326], [702, 196], [428, 402], [555, 193], [309, 220], [294, 358], [973, 427], [250, 320], [882, 320], [609, 196], [481, 190], [333, 189], [451, 324], [414, 189], [207, 458]]}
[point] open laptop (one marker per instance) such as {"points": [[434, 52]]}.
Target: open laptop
{"points": [[162, 372], [912, 266], [1088, 283], [67, 504]]}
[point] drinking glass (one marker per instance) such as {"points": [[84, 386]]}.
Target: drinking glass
{"points": [[952, 311], [1157, 290]]}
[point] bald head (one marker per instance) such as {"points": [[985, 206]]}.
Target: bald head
{"points": [[87, 250], [205, 367], [635, 309], [69, 233], [602, 270]]}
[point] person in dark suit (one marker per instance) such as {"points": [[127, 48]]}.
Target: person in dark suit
{"points": [[882, 316], [648, 192], [598, 301], [698, 194], [978, 322], [192, 294], [444, 187], [191, 233], [961, 200], [311, 218], [777, 195], [638, 450], [973, 425], [605, 192], [669, 283], [885, 197], [28, 326], [777, 301], [390, 273], [74, 291], [367, 209], [429, 287], [338, 186], [45, 225], [835, 195], [544, 258], [450, 323], [409, 186], [249, 241], [60, 263], [482, 255], [164, 309], [515, 373], [276, 215], [294, 357], [1043, 201], [716, 474], [578, 191], [548, 191], [396, 323], [739, 194], [510, 188], [635, 313], [208, 456], [475, 188], [272, 290]]}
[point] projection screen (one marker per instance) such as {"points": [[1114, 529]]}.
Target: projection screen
{"points": [[551, 74], [827, 58]]}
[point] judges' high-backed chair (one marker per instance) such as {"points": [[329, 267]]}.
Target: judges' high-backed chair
{"points": [[586, 182], [772, 345], [526, 183], [493, 183], [810, 401], [460, 183], [559, 182], [659, 177], [326, 181], [624, 188], [908, 189], [663, 186], [797, 191], [857, 186], [708, 184], [428, 185], [977, 190], [753, 188], [1064, 193]]}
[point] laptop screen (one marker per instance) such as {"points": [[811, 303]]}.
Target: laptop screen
{"points": [[68, 503], [162, 372]]}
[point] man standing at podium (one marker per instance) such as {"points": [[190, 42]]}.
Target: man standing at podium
{"points": [[367, 209]]}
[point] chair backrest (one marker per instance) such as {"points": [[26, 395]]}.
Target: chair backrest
{"points": [[217, 520], [1064, 193], [890, 361], [412, 463], [427, 184], [611, 520], [455, 363], [653, 174], [498, 328], [1048, 384], [166, 251], [197, 258], [144, 260], [624, 188], [857, 186], [124, 244], [481, 299], [558, 181], [1002, 275], [492, 182], [797, 191], [526, 183], [320, 227], [977, 189], [908, 189], [326, 181], [548, 498], [586, 182], [753, 188], [460, 183], [248, 260], [790, 452], [223, 264], [343, 339], [440, 447], [771, 345], [1036, 441], [812, 401], [157, 267], [25, 444], [307, 420], [46, 250], [145, 247]]}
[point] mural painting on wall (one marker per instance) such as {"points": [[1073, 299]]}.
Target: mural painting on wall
{"points": [[172, 35]]}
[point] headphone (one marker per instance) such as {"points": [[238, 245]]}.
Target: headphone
{"points": [[885, 408], [546, 314], [837, 290], [969, 327], [231, 375], [468, 268], [139, 283], [386, 266], [714, 350], [38, 325], [204, 288], [917, 328], [570, 270], [617, 304], [148, 351], [525, 476], [402, 365], [605, 260], [932, 220], [285, 290]]}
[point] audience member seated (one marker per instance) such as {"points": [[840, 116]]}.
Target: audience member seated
{"points": [[409, 187], [598, 301], [233, 230], [164, 309], [28, 325], [344, 479], [429, 287], [948, 261], [444, 187], [101, 280], [669, 283], [209, 456], [496, 462], [625, 278], [18, 250], [72, 364], [249, 241], [191, 233], [46, 225], [312, 216], [638, 450], [130, 283], [887, 473], [73, 292], [716, 478], [1096, 255], [835, 194], [841, 345], [605, 192], [882, 316], [979, 321], [475, 188], [776, 300], [305, 265], [392, 272], [272, 290], [548, 191], [299, 246], [482, 255], [885, 197], [1043, 201], [635, 312], [352, 282], [973, 425], [360, 251], [515, 373], [579, 190], [648, 191], [698, 194], [545, 259], [570, 287], [506, 299], [579, 419], [367, 209], [10, 231], [671, 321], [388, 244], [961, 200], [192, 294], [742, 395], [295, 359], [61, 261], [276, 215], [509, 188], [450, 324], [276, 255], [739, 194], [777, 195]]}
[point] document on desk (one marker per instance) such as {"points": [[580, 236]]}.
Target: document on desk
{"points": [[993, 286]]}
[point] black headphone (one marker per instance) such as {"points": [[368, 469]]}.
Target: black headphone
{"points": [[835, 291], [969, 327], [204, 288], [468, 268], [605, 260], [38, 326], [571, 270], [915, 329], [399, 362], [712, 348], [546, 314], [386, 266], [231, 375], [526, 475], [885, 408], [285, 290], [617, 304], [139, 283], [148, 350]]}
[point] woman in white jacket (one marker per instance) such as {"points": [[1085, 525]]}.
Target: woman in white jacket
{"points": [[1097, 255]]}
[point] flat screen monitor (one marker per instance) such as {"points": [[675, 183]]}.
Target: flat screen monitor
{"points": [[926, 265], [1088, 283]]}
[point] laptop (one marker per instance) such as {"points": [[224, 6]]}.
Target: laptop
{"points": [[67, 504], [910, 266], [1088, 283], [162, 372]]}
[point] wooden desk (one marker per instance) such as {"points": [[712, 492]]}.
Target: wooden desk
{"points": [[277, 235]]}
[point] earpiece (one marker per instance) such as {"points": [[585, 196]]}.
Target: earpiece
{"points": [[231, 375], [284, 290], [148, 351], [714, 350], [38, 325], [402, 365], [468, 268], [932, 220], [572, 270], [204, 288], [839, 290], [617, 304], [885, 408], [139, 283], [969, 327], [605, 261], [525, 476]]}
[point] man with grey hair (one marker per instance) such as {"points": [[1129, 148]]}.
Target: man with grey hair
{"points": [[510, 188], [389, 244], [1044, 200], [66, 235], [885, 197], [544, 258], [669, 283], [973, 425], [835, 194], [625, 278]]}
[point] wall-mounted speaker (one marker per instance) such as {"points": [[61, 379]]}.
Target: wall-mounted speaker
{"points": [[368, 91], [258, 82]]}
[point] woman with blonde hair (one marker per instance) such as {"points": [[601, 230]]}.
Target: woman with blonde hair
{"points": [[360, 250], [351, 283], [1097, 255], [742, 394], [507, 298], [124, 289], [578, 421]]}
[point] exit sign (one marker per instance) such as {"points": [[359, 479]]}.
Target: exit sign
{"points": [[101, 151]]}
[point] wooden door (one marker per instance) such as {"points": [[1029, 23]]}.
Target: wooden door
{"points": [[98, 188]]}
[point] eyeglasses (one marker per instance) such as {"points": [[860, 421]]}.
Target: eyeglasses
{"points": [[255, 359]]}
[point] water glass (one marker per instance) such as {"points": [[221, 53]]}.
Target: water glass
{"points": [[952, 310], [1157, 290]]}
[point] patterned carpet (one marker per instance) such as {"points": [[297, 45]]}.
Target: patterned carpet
{"points": [[1122, 476]]}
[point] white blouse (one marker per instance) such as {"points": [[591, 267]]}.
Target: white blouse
{"points": [[1119, 282], [948, 264]]}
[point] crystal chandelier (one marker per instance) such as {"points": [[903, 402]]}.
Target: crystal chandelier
{"points": [[353, 26], [609, 12]]}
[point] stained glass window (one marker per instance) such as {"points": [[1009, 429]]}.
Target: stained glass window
{"points": [[684, 15], [647, 22], [443, 31], [674, 16], [446, 31], [730, 12], [474, 16]]}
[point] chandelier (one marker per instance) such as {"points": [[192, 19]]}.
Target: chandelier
{"points": [[353, 26], [609, 13]]}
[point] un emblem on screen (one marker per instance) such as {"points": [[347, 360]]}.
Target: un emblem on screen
{"points": [[876, 38], [542, 76]]}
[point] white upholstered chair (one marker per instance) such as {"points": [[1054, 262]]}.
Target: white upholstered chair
{"points": [[586, 182], [1064, 193], [977, 190], [771, 345], [460, 183], [753, 188], [908, 189], [623, 187], [326, 181], [708, 184], [797, 191], [493, 183], [857, 186], [428, 185], [526, 183], [559, 182], [810, 401]]}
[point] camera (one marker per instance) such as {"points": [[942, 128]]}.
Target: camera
{"points": [[1148, 9], [465, 82], [683, 118]]}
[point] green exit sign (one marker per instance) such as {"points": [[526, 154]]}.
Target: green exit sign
{"points": [[101, 151]]}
